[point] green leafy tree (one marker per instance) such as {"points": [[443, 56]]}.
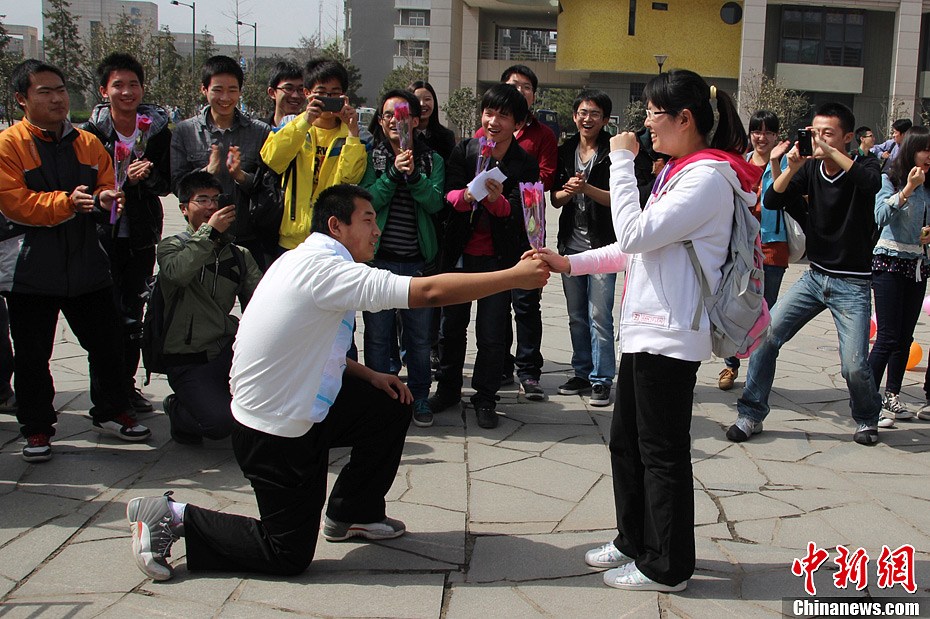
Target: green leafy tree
{"points": [[64, 48], [764, 93], [462, 110], [168, 80], [307, 48], [334, 51], [400, 77], [255, 91], [8, 60], [559, 100], [634, 116]]}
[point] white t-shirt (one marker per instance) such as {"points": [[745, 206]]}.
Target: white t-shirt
{"points": [[290, 349]]}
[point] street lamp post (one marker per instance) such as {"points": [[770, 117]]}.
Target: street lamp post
{"points": [[660, 60], [193, 7], [254, 28]]}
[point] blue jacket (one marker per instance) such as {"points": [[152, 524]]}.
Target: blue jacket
{"points": [[772, 228], [900, 226]]}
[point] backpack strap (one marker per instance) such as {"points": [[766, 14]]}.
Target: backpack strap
{"points": [[291, 174], [240, 262], [705, 287]]}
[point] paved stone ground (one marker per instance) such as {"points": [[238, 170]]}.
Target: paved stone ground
{"points": [[498, 520]]}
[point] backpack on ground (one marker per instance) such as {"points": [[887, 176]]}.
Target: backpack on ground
{"points": [[157, 318], [739, 315]]}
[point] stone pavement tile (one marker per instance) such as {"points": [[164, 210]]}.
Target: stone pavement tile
{"points": [[543, 477], [197, 463], [23, 510], [792, 475], [577, 452], [760, 531], [717, 530], [433, 533], [67, 573], [440, 485], [862, 522], [21, 555], [149, 605], [594, 511], [482, 456], [712, 596], [585, 596], [808, 500], [342, 594], [752, 506], [356, 554], [522, 558], [540, 437], [428, 450], [6, 585], [208, 589], [52, 606], [757, 557], [81, 474], [730, 470], [551, 412], [235, 609], [845, 456], [705, 509]]}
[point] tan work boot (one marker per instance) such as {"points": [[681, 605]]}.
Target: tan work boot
{"points": [[727, 376]]}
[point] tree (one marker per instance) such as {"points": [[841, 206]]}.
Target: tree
{"points": [[462, 110], [170, 83], [8, 60], [123, 36], [64, 49], [307, 48], [789, 105], [559, 100], [635, 116], [255, 92], [401, 77], [334, 51]]}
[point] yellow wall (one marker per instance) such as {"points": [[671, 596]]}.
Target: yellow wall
{"points": [[593, 37]]}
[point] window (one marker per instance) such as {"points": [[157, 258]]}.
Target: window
{"points": [[731, 13], [631, 27], [412, 49], [636, 91], [660, 6], [831, 37], [525, 44], [414, 18]]}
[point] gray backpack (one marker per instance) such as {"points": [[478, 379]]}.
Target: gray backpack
{"points": [[739, 316]]}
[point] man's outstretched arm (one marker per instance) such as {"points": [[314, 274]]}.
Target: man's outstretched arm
{"points": [[452, 288]]}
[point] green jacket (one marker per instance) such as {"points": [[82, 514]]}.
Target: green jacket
{"points": [[381, 179], [201, 268]]}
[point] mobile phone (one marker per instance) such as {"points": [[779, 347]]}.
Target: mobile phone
{"points": [[805, 142], [225, 200], [332, 104]]}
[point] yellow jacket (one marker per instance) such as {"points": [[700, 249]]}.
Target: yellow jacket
{"points": [[344, 162]]}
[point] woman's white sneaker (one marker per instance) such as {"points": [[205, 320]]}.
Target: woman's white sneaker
{"points": [[606, 556], [630, 578]]}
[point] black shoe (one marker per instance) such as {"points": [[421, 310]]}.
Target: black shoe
{"points": [[507, 379], [574, 386], [139, 403], [442, 400], [487, 416], [531, 390], [434, 360], [169, 404]]}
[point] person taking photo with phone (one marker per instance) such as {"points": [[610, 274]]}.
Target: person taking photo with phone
{"points": [[321, 145]]}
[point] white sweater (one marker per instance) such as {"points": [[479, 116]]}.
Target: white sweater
{"points": [[290, 350], [662, 291]]}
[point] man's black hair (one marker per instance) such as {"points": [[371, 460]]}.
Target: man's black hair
{"points": [[319, 70], [764, 120], [119, 62], [284, 70], [839, 111], [220, 65], [521, 69], [861, 131], [902, 125], [597, 97], [505, 98], [337, 201], [21, 77], [191, 183]]}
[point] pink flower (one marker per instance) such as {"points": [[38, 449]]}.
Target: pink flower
{"points": [[143, 123], [120, 151]]}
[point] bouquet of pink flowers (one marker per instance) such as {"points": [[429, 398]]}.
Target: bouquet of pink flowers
{"points": [[485, 146], [534, 213], [122, 155], [143, 123]]}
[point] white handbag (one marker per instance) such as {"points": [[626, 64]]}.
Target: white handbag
{"points": [[797, 240]]}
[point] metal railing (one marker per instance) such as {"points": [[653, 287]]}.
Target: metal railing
{"points": [[496, 51]]}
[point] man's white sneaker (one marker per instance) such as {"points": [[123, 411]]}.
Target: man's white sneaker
{"points": [[152, 535], [923, 412], [630, 578], [335, 531], [606, 556]]}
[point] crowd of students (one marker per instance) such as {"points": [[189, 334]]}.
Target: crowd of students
{"points": [[405, 203]]}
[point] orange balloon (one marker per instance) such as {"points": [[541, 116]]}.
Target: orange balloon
{"points": [[916, 354], [872, 329]]}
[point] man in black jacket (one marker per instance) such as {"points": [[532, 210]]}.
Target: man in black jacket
{"points": [[840, 210], [581, 190], [131, 242], [481, 236]]}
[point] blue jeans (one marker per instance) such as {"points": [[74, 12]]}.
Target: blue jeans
{"points": [[381, 329], [849, 301], [772, 283], [590, 302]]}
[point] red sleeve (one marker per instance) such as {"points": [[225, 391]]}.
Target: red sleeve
{"points": [[548, 157], [456, 198], [499, 208]]}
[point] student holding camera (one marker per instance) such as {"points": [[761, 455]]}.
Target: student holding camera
{"points": [[321, 147], [201, 273]]}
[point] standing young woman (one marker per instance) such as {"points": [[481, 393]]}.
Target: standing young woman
{"points": [[900, 266], [439, 138], [693, 199]]}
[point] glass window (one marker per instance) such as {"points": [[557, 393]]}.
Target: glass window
{"points": [[731, 13], [831, 37]]}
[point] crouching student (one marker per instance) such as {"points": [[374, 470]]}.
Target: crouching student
{"points": [[200, 274], [483, 235]]}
